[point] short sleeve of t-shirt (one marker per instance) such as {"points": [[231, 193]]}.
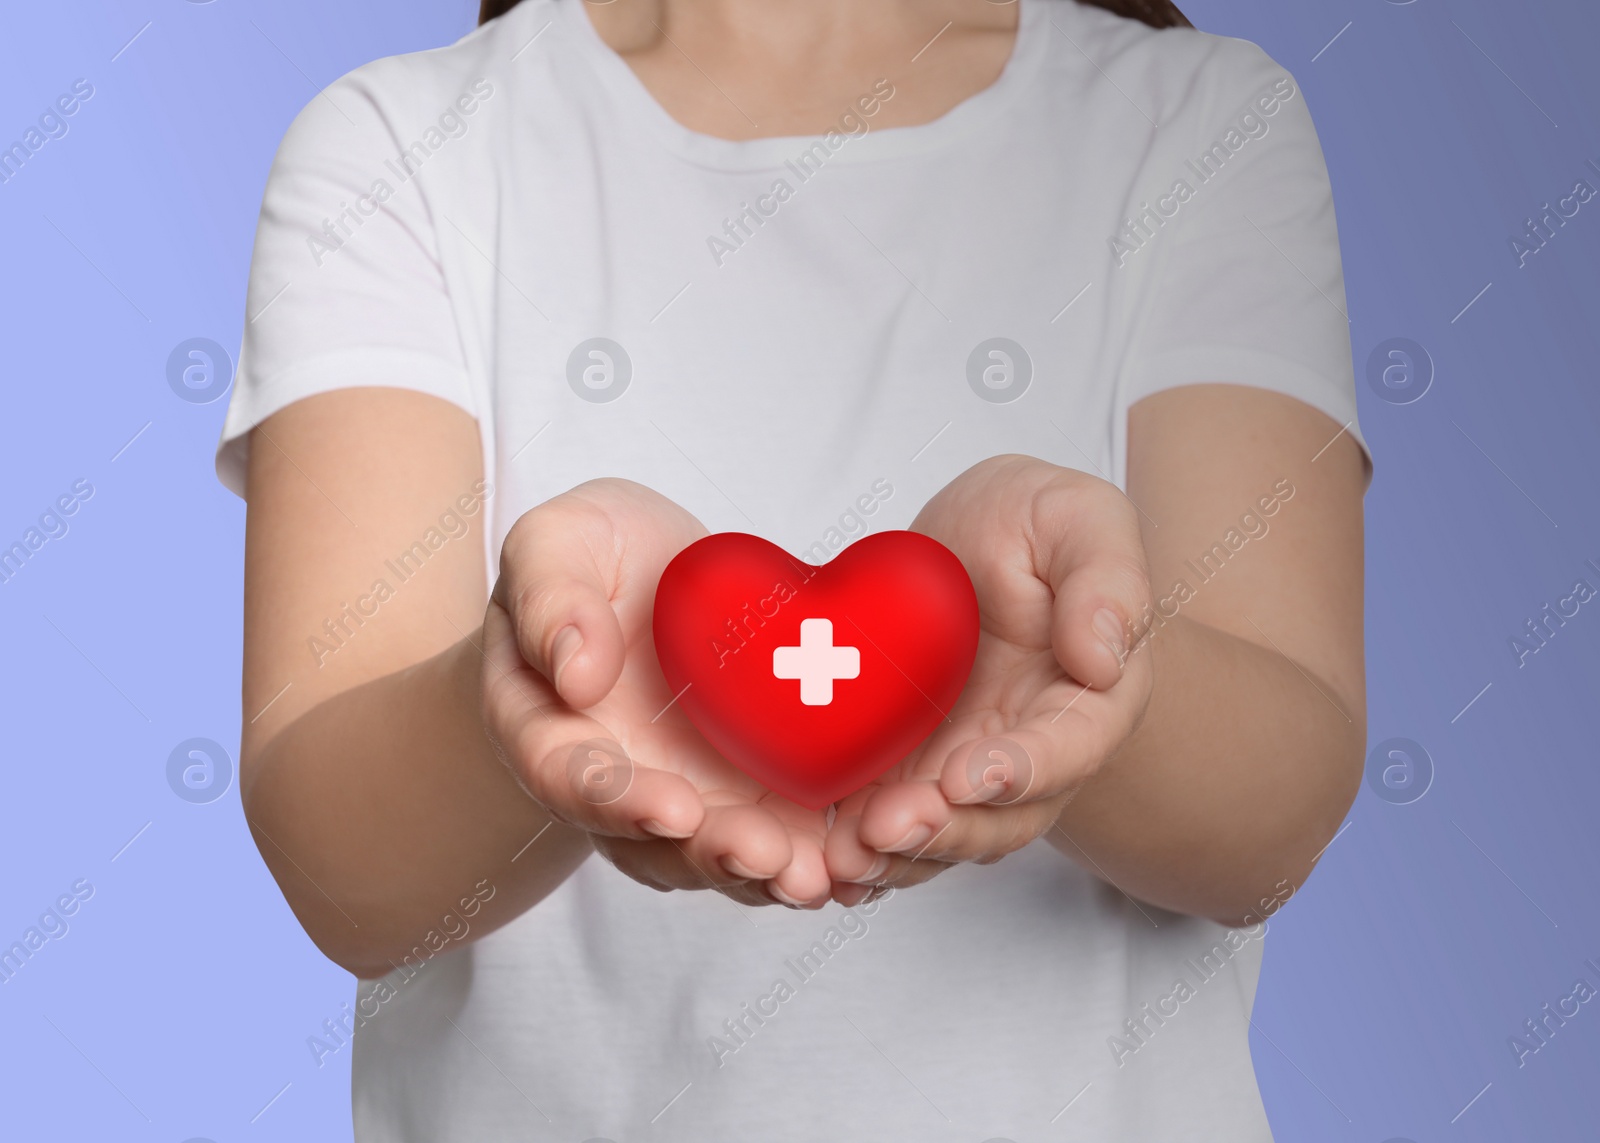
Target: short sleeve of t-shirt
{"points": [[346, 288], [1245, 283]]}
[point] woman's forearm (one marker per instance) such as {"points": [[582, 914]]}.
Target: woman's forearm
{"points": [[391, 826], [1237, 778]]}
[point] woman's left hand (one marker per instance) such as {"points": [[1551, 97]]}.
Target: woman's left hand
{"points": [[1063, 592]]}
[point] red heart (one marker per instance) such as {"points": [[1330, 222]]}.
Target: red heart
{"points": [[815, 680]]}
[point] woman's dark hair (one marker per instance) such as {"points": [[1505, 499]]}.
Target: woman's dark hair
{"points": [[1156, 13]]}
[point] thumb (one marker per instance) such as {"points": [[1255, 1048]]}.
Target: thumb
{"points": [[578, 576], [1089, 540], [559, 599]]}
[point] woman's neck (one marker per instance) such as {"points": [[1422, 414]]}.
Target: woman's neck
{"points": [[743, 69]]}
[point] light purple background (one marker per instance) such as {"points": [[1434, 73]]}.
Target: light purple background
{"points": [[179, 1003]]}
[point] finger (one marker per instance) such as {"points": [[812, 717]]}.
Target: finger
{"points": [[660, 863], [593, 784], [755, 895], [903, 875], [1094, 560], [848, 859], [896, 818], [903, 817], [914, 819], [739, 850], [889, 871], [1003, 770], [739, 843], [995, 794], [804, 883], [849, 894], [578, 573], [1054, 751], [559, 598], [568, 762]]}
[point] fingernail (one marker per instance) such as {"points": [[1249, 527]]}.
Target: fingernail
{"points": [[779, 894], [879, 868], [568, 641], [651, 826], [1109, 627], [736, 867], [916, 837], [851, 895]]}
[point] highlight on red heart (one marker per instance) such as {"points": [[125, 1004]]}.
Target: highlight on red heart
{"points": [[815, 680]]}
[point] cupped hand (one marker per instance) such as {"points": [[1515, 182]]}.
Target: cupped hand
{"points": [[1058, 685], [576, 705]]}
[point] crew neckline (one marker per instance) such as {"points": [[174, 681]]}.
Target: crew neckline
{"points": [[635, 100]]}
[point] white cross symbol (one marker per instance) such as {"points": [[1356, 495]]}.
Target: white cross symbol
{"points": [[816, 662]]}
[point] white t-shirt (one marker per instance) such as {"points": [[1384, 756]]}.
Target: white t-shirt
{"points": [[806, 339]]}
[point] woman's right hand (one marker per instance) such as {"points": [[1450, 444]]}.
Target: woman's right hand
{"points": [[576, 706]]}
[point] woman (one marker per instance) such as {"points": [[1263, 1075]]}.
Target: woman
{"points": [[561, 297]]}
